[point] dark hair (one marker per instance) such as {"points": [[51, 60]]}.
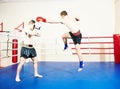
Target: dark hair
{"points": [[31, 22], [64, 13]]}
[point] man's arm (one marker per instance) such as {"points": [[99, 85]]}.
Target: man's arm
{"points": [[53, 21], [32, 33], [42, 19]]}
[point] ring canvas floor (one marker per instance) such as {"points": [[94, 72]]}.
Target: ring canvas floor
{"points": [[63, 75]]}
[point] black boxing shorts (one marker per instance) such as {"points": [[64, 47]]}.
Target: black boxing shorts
{"points": [[28, 52], [76, 37]]}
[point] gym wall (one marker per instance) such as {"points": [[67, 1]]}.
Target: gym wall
{"points": [[97, 18]]}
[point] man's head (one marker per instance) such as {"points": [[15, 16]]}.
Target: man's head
{"points": [[31, 24], [63, 13]]}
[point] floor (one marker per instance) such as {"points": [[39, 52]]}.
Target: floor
{"points": [[63, 75]]}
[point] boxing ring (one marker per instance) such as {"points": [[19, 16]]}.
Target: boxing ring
{"points": [[9, 52], [99, 47], [102, 44], [60, 75]]}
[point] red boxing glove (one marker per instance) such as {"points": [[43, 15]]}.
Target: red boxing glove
{"points": [[38, 19], [44, 20]]}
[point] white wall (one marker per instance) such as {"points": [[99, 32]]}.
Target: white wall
{"points": [[95, 14], [97, 19], [117, 16]]}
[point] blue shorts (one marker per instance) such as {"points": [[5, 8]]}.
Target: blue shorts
{"points": [[28, 52]]}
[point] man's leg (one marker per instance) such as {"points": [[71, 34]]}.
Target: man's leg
{"points": [[64, 38], [19, 68], [79, 54], [35, 61]]}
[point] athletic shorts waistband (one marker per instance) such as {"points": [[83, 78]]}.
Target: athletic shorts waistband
{"points": [[28, 46], [77, 33]]}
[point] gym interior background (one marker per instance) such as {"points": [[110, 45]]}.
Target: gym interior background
{"points": [[100, 25], [98, 19]]}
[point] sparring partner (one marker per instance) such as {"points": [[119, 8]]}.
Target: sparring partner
{"points": [[74, 32], [27, 50]]}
